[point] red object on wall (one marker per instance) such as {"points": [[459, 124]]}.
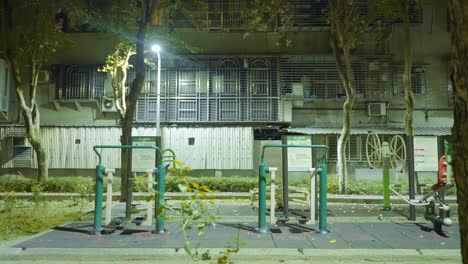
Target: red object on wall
{"points": [[442, 172]]}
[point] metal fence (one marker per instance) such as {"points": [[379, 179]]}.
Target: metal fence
{"points": [[206, 148]]}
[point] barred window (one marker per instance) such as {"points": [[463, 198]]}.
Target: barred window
{"points": [[79, 82], [259, 73], [355, 148], [418, 80], [228, 74]]}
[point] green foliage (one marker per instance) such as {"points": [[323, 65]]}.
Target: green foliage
{"points": [[233, 247], [216, 184], [85, 186], [31, 41], [196, 211], [80, 185]]}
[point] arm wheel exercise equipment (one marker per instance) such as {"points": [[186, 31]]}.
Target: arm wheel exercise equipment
{"points": [[395, 154], [101, 170], [264, 169], [386, 155], [374, 148]]}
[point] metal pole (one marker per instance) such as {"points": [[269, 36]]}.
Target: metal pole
{"points": [[412, 191], [386, 184], [158, 109], [262, 170], [285, 179], [128, 202], [160, 200], [323, 199], [100, 170]]}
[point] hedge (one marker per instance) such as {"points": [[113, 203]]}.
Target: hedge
{"points": [[86, 185]]}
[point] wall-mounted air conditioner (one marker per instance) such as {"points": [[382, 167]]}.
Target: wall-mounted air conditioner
{"points": [[376, 109], [43, 77], [108, 105]]}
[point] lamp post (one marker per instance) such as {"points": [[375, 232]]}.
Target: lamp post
{"points": [[157, 49]]}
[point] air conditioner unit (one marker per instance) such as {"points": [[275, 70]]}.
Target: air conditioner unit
{"points": [[376, 109], [43, 76], [108, 105]]}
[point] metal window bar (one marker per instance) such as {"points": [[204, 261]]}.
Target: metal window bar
{"points": [[217, 14], [188, 110], [316, 77], [79, 82], [355, 148], [230, 14], [418, 80], [216, 99]]}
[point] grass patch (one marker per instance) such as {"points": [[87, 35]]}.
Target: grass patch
{"points": [[21, 217]]}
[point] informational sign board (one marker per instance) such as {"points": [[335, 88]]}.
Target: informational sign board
{"points": [[299, 159], [425, 153], [143, 159]]}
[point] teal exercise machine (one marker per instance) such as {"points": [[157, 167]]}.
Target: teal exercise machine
{"points": [[160, 171], [264, 169]]}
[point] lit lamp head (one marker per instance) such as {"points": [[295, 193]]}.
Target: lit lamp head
{"points": [[156, 48]]}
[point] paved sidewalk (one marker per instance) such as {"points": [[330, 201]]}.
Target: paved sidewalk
{"points": [[358, 233]]}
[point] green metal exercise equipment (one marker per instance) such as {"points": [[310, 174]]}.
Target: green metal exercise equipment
{"points": [[388, 155], [264, 169], [100, 171]]}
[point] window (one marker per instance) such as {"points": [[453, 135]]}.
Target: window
{"points": [[228, 74], [418, 80], [450, 91], [79, 82], [4, 85], [355, 148], [187, 78], [210, 88], [259, 78], [188, 110], [151, 81]]}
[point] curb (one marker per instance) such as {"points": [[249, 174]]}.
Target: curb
{"points": [[171, 254]]}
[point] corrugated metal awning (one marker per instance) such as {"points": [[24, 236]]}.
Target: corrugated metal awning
{"points": [[418, 131]]}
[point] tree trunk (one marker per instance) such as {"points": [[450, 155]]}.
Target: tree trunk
{"points": [[31, 119], [350, 88], [127, 124], [41, 153], [134, 92], [408, 54], [459, 31]]}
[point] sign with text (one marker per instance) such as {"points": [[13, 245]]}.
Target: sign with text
{"points": [[143, 159], [299, 159], [425, 153]]}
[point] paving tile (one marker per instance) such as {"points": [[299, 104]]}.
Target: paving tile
{"points": [[370, 244], [293, 243], [350, 232], [251, 243], [327, 241]]}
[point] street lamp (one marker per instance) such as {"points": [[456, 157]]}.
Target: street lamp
{"points": [[157, 49]]}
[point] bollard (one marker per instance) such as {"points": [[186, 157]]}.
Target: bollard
{"points": [[97, 228], [149, 208], [312, 196], [272, 195], [323, 199], [262, 227], [110, 179], [160, 201]]}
